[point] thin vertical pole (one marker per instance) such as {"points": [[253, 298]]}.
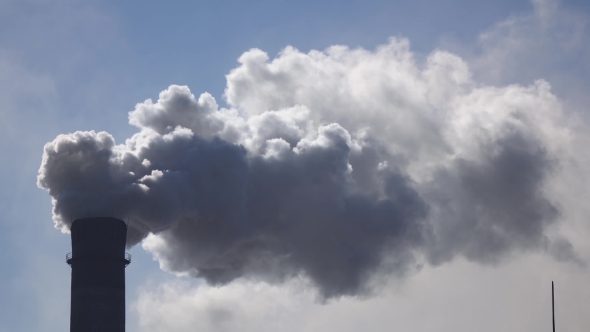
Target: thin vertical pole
{"points": [[553, 304]]}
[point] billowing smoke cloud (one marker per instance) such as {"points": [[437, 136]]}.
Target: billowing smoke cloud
{"points": [[333, 165]]}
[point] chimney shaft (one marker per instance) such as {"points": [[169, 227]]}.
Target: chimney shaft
{"points": [[98, 262]]}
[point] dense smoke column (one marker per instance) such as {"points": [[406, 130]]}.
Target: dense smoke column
{"points": [[98, 263], [336, 166]]}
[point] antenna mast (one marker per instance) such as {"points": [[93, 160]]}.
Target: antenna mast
{"points": [[553, 304]]}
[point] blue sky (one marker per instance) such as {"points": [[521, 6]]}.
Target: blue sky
{"points": [[68, 65]]}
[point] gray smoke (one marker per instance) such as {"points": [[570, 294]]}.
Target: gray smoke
{"points": [[334, 165]]}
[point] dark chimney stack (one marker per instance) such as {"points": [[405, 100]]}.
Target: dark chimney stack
{"points": [[98, 262]]}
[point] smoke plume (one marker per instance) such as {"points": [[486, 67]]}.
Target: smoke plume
{"points": [[334, 165]]}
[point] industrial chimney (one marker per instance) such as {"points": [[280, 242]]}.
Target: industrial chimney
{"points": [[98, 262]]}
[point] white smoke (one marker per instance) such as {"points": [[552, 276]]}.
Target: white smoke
{"points": [[333, 165]]}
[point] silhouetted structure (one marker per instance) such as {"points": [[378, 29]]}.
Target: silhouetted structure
{"points": [[98, 262], [553, 304]]}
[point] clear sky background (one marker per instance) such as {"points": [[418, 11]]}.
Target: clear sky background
{"points": [[68, 65]]}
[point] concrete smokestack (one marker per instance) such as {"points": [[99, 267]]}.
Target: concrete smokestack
{"points": [[98, 262]]}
